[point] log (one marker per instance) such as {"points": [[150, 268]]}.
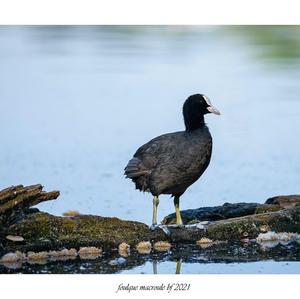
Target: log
{"points": [[39, 231], [225, 211], [15, 200]]}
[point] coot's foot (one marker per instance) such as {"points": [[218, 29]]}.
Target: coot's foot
{"points": [[164, 228], [153, 227], [176, 225]]}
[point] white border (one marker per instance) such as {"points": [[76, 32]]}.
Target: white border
{"points": [[162, 12], [98, 286], [149, 12]]}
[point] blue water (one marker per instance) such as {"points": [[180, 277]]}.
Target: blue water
{"points": [[76, 102], [262, 267]]}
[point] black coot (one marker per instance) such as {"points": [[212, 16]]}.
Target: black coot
{"points": [[170, 163]]}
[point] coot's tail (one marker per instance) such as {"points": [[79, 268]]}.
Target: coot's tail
{"points": [[138, 173]]}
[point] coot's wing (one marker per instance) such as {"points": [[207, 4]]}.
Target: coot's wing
{"points": [[144, 161], [171, 162], [182, 163]]}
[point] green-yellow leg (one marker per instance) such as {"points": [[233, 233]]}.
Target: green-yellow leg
{"points": [[176, 205], [154, 211], [178, 266]]}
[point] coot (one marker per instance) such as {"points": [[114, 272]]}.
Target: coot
{"points": [[170, 163]]}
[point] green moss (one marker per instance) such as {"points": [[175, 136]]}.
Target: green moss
{"points": [[42, 229], [267, 208]]}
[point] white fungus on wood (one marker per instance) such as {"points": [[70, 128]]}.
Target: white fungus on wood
{"points": [[144, 247], [124, 249]]}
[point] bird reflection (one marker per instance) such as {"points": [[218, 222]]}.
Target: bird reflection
{"points": [[177, 269]]}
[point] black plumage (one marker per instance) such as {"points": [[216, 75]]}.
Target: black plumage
{"points": [[170, 163]]}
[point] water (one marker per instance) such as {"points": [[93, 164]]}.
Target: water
{"points": [[76, 102]]}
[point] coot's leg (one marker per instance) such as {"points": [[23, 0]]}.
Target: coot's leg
{"points": [[176, 205], [154, 211], [178, 266]]}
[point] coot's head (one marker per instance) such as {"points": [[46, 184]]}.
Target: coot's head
{"points": [[194, 109]]}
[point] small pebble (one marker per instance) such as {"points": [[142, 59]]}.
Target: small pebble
{"points": [[117, 261], [15, 238]]}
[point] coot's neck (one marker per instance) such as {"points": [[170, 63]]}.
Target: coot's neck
{"points": [[193, 122]]}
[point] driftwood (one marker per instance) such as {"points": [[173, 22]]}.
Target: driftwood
{"points": [[32, 230], [15, 200]]}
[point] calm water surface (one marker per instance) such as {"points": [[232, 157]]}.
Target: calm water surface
{"points": [[76, 102]]}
